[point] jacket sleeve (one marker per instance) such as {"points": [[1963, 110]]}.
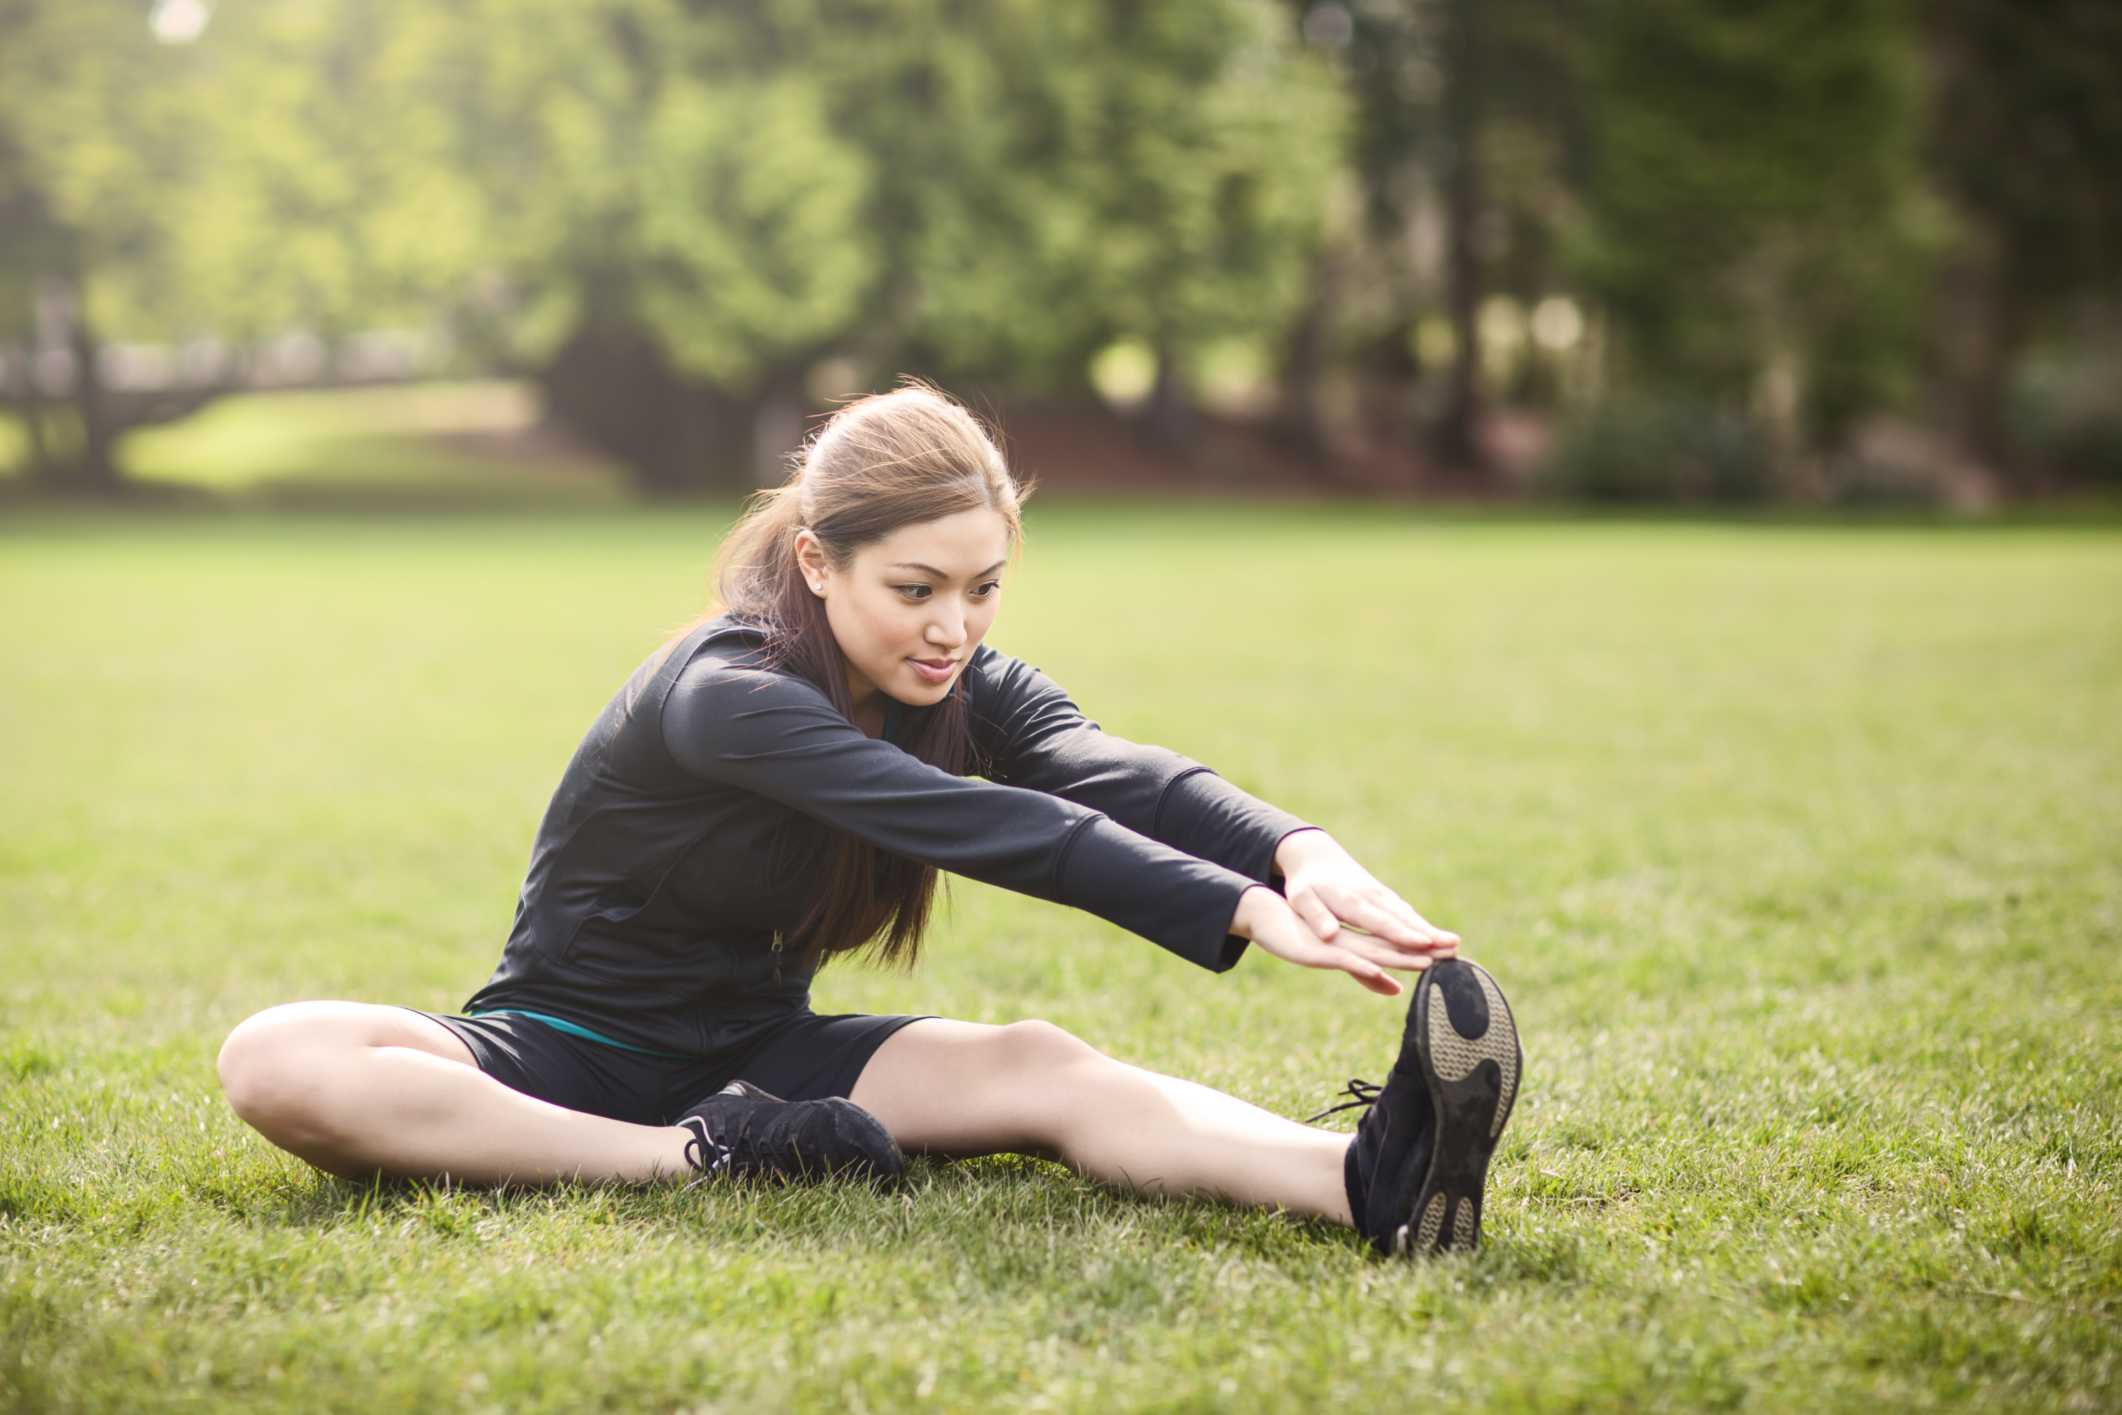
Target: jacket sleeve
{"points": [[1034, 736], [774, 734]]}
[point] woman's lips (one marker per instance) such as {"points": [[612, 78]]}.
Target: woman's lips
{"points": [[938, 671]]}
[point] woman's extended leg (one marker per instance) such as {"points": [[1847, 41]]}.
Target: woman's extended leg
{"points": [[964, 1088], [356, 1089]]}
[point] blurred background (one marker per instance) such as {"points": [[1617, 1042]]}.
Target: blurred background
{"points": [[1843, 253]]}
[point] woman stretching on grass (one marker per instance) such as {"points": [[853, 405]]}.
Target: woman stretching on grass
{"points": [[778, 785]]}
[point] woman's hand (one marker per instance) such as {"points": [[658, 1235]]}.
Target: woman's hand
{"points": [[1266, 918], [1327, 888]]}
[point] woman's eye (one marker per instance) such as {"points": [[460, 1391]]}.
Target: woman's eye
{"points": [[917, 593]]}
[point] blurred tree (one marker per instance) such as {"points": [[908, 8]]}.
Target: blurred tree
{"points": [[95, 136], [1466, 45], [1466, 119], [693, 205], [1754, 217], [282, 169], [2026, 142], [674, 226], [328, 198], [1391, 56], [1212, 143], [665, 210]]}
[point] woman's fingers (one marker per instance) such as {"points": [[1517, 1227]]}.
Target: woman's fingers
{"points": [[1373, 977], [1384, 952], [1374, 917], [1355, 900], [1314, 954], [1397, 951], [1359, 934], [1441, 937], [1384, 901], [1312, 909]]}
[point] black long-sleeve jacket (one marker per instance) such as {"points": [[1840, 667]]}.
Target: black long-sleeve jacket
{"points": [[683, 841]]}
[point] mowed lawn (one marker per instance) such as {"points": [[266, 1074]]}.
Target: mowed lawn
{"points": [[1798, 850]]}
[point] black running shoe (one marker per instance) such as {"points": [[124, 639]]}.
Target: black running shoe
{"points": [[743, 1132], [1415, 1169]]}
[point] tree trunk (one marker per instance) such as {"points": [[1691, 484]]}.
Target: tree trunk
{"points": [[41, 467], [97, 470], [1976, 340], [30, 406], [1298, 423], [611, 386], [1457, 442], [1167, 420]]}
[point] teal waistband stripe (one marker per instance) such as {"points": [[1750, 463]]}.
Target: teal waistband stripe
{"points": [[577, 1029]]}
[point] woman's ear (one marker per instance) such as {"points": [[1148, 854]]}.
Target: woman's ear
{"points": [[810, 560]]}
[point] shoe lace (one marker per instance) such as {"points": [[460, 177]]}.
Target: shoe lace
{"points": [[1366, 1094], [705, 1153]]}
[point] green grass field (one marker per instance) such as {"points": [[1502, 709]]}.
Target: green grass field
{"points": [[1796, 849]]}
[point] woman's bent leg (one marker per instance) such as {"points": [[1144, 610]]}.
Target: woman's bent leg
{"points": [[358, 1089], [964, 1088]]}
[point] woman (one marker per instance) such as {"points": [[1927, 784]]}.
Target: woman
{"points": [[778, 785]]}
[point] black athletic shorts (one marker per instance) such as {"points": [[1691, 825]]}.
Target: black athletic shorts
{"points": [[802, 1057]]}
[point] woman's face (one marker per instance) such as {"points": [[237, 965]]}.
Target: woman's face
{"points": [[926, 593]]}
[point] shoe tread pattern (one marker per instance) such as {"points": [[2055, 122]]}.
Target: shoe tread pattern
{"points": [[1454, 1054], [1471, 1060]]}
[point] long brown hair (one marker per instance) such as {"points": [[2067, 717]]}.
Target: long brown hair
{"points": [[878, 463]]}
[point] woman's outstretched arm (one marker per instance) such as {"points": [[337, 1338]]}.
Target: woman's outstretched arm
{"points": [[1030, 733], [775, 735], [1036, 737]]}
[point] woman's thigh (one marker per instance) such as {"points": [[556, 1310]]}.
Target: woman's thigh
{"points": [[304, 1026], [967, 1088]]}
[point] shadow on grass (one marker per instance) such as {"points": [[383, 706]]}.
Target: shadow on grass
{"points": [[303, 496], [941, 1204], [1011, 1217]]}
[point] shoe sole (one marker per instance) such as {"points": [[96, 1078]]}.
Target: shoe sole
{"points": [[1467, 1046]]}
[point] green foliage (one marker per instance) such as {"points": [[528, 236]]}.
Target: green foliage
{"points": [[702, 202], [1753, 212], [96, 147], [640, 163], [1206, 163], [330, 200], [283, 171], [1793, 846], [2028, 137], [1002, 184]]}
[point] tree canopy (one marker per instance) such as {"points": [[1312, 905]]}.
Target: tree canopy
{"points": [[672, 214]]}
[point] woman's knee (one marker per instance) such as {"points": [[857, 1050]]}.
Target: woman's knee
{"points": [[1027, 1051], [278, 1066], [1057, 1082], [270, 1065]]}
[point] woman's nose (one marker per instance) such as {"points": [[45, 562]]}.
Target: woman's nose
{"points": [[947, 629]]}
